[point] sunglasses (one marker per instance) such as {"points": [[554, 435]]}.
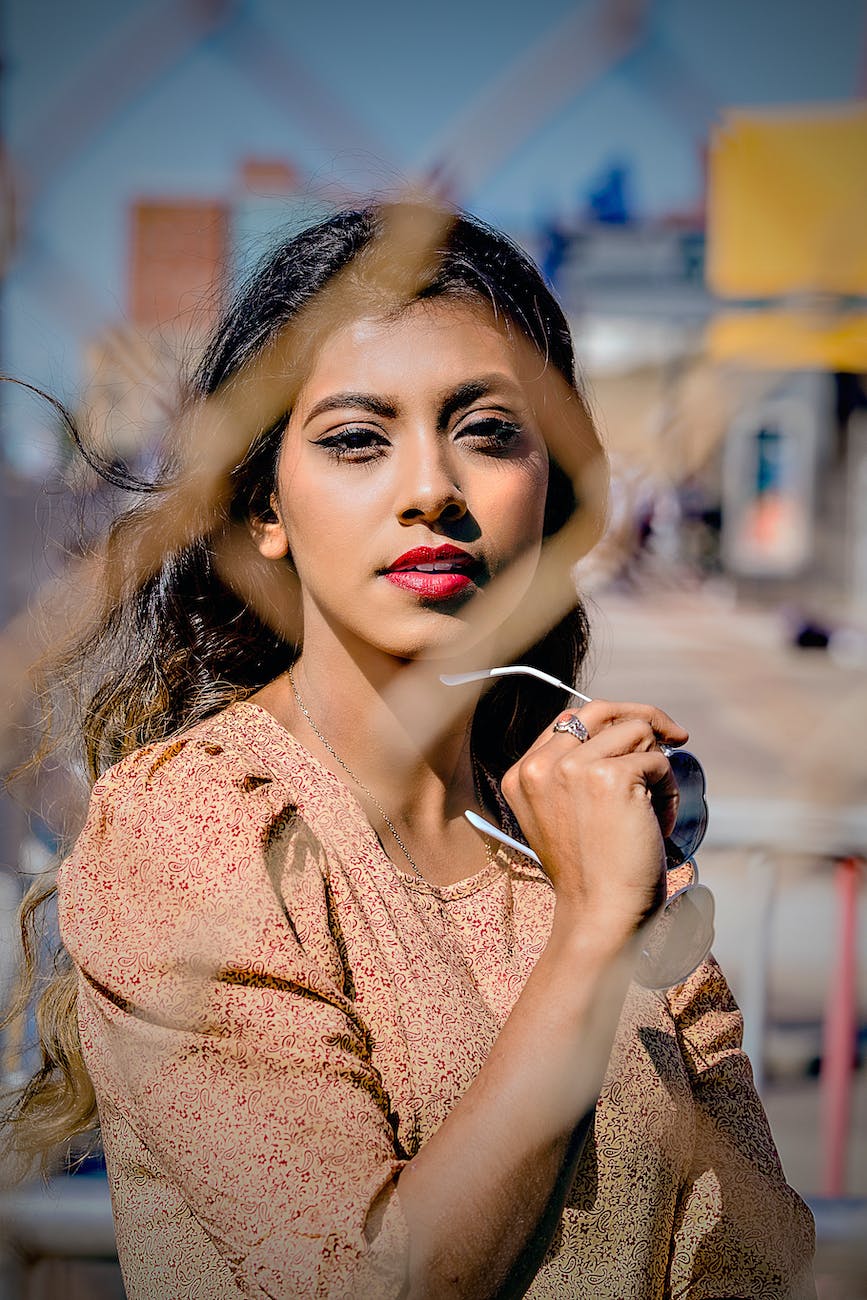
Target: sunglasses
{"points": [[679, 937]]}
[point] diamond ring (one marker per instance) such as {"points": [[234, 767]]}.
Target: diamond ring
{"points": [[574, 726]]}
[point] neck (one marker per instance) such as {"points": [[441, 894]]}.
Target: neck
{"points": [[391, 723]]}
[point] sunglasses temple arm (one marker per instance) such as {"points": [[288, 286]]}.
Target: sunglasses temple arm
{"points": [[487, 828], [513, 670], [526, 671]]}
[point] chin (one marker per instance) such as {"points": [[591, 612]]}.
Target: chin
{"points": [[442, 637], [423, 647]]}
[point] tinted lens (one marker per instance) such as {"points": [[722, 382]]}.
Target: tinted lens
{"points": [[678, 940], [691, 821]]}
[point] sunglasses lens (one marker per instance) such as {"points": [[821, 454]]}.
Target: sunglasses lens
{"points": [[691, 823], [678, 940]]}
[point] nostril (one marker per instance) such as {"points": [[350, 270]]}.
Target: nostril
{"points": [[449, 511]]}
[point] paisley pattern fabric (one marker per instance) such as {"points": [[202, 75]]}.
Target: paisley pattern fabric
{"points": [[276, 1018]]}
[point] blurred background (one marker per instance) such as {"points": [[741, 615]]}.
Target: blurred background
{"points": [[692, 179]]}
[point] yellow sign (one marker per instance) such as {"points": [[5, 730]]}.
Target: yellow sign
{"points": [[787, 202], [788, 340]]}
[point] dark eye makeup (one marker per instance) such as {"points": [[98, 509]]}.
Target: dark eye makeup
{"points": [[358, 443], [493, 433], [353, 443]]}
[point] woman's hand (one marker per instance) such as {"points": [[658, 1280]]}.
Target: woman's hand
{"points": [[596, 812]]}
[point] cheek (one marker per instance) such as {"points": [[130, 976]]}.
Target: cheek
{"points": [[313, 514], [517, 507]]}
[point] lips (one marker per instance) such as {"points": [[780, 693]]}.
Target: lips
{"points": [[434, 573]]}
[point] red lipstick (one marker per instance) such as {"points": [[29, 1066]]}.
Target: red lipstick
{"points": [[433, 573]]}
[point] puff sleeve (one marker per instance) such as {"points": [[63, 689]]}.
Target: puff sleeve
{"points": [[216, 1019], [739, 1230]]}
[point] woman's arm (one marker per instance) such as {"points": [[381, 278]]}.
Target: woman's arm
{"points": [[483, 1197]]}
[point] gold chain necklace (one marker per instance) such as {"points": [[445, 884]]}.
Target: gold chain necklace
{"points": [[490, 854]]}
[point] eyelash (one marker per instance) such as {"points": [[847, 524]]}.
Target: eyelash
{"points": [[363, 445], [341, 446], [493, 433]]}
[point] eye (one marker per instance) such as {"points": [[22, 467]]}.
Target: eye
{"points": [[492, 434], [356, 443]]}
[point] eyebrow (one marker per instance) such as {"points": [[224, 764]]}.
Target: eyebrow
{"points": [[360, 401], [465, 394], [457, 400]]}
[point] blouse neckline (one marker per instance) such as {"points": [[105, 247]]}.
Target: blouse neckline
{"points": [[445, 893]]}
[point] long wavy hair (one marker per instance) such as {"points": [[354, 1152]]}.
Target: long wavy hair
{"points": [[173, 637]]}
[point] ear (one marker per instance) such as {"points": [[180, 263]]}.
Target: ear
{"points": [[269, 533]]}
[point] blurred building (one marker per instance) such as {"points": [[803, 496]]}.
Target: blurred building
{"points": [[184, 257], [733, 394]]}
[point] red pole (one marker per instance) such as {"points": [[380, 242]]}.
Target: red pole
{"points": [[838, 1051]]}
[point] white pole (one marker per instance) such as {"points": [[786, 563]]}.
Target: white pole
{"points": [[759, 897]]}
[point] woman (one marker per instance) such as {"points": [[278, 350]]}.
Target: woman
{"points": [[341, 1044]]}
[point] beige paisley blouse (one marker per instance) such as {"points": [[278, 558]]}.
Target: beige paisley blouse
{"points": [[276, 1019]]}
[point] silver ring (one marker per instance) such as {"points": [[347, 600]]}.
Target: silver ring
{"points": [[574, 726]]}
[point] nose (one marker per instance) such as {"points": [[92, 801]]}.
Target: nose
{"points": [[428, 490]]}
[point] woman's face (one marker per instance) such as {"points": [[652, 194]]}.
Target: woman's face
{"points": [[412, 474]]}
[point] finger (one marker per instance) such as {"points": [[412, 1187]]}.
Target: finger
{"points": [[648, 766], [623, 737], [652, 769], [557, 766], [600, 714], [665, 797], [604, 713], [545, 735], [552, 771]]}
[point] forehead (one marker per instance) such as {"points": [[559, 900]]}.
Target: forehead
{"points": [[430, 346]]}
